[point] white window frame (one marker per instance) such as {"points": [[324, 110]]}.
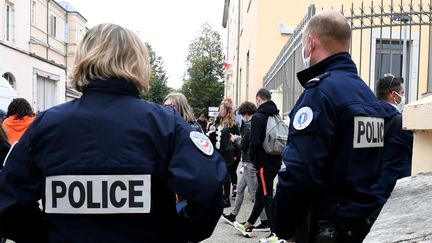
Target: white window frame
{"points": [[9, 14], [33, 12], [53, 25]]}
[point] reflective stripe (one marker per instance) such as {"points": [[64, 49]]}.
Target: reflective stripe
{"points": [[263, 181]]}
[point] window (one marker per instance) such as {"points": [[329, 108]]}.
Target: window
{"points": [[53, 29], [388, 59], [45, 93], [79, 35], [10, 78], [9, 22], [33, 12]]}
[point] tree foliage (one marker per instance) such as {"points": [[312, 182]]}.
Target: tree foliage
{"points": [[158, 80], [203, 85]]}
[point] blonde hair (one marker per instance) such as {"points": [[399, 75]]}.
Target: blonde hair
{"points": [[109, 51], [182, 105], [229, 120]]}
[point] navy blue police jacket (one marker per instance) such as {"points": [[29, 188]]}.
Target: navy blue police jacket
{"points": [[107, 167], [397, 155], [334, 147]]}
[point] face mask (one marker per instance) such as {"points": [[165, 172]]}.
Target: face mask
{"points": [[401, 104], [306, 60]]}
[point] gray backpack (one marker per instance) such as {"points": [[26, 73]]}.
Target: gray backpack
{"points": [[276, 135]]}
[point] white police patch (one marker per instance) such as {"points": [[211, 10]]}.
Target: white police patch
{"points": [[368, 132], [202, 142], [98, 194], [303, 118]]}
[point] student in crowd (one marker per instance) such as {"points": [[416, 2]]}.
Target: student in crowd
{"points": [[237, 152], [249, 178], [267, 165], [220, 134], [202, 120], [180, 103], [19, 117]]}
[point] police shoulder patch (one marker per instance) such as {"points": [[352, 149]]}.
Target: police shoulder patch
{"points": [[202, 142], [303, 118]]}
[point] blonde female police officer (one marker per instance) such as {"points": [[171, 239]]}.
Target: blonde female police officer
{"points": [[107, 166]]}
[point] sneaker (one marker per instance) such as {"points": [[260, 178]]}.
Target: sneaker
{"points": [[272, 238], [262, 227], [229, 218], [246, 232]]}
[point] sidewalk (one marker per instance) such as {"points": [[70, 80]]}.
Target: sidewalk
{"points": [[225, 233]]}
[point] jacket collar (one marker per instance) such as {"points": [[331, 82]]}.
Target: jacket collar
{"points": [[339, 61], [112, 85]]}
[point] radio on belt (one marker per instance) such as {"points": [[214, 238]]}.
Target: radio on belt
{"points": [[97, 194]]}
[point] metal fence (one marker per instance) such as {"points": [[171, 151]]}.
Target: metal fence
{"points": [[387, 37]]}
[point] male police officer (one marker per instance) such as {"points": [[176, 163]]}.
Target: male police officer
{"points": [[336, 137], [107, 166]]}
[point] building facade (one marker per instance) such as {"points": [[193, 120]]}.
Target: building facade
{"points": [[256, 31], [38, 39], [389, 36]]}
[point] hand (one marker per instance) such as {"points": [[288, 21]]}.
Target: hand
{"points": [[212, 128], [234, 137]]}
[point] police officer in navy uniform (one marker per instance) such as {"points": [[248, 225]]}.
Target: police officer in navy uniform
{"points": [[335, 142], [107, 166]]}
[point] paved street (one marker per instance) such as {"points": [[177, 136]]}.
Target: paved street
{"points": [[227, 233]]}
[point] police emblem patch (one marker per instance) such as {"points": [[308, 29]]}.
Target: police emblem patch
{"points": [[202, 142], [303, 118]]}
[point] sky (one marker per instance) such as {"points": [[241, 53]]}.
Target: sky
{"points": [[168, 25]]}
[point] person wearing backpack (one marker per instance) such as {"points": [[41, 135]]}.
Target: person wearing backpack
{"points": [[267, 165]]}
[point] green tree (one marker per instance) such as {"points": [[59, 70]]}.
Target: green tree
{"points": [[158, 80], [203, 85]]}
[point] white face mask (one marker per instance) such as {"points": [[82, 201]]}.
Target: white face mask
{"points": [[401, 104], [306, 60]]}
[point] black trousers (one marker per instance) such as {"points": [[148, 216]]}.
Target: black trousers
{"points": [[264, 194], [233, 171]]}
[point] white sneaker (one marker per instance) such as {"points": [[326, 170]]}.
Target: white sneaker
{"points": [[272, 238], [246, 232]]}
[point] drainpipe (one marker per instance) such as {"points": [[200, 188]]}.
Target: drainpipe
{"points": [[238, 56], [47, 30]]}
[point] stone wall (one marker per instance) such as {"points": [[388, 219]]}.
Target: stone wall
{"points": [[407, 215]]}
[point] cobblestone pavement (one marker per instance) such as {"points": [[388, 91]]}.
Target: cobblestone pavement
{"points": [[225, 233]]}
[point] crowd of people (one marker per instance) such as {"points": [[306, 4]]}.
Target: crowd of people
{"points": [[123, 177]]}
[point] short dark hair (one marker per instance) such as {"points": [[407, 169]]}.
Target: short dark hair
{"points": [[247, 108], [388, 84], [19, 108], [264, 94]]}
